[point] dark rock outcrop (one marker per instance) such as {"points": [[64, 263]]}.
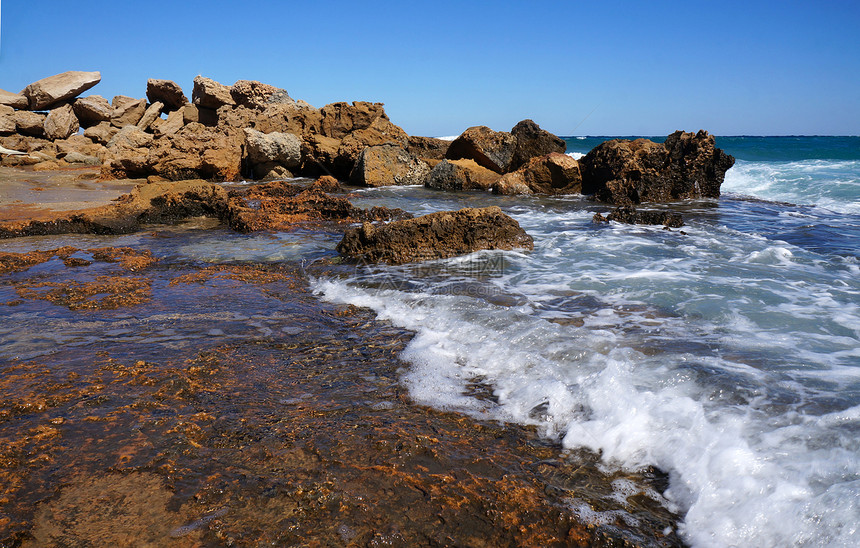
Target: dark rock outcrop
{"points": [[551, 174], [166, 92], [685, 166], [629, 215], [532, 141], [435, 236], [385, 165], [493, 150], [460, 175], [49, 91], [428, 148]]}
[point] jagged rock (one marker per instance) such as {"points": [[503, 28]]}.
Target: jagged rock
{"points": [[92, 110], [128, 113], [685, 166], [102, 132], [491, 149], [460, 175], [435, 236], [29, 123], [629, 215], [280, 148], [428, 148], [78, 144], [61, 122], [49, 91], [167, 92], [384, 165], [15, 100], [199, 151], [298, 118], [150, 115], [554, 173], [175, 121], [532, 141], [7, 122], [257, 95], [208, 93], [339, 119]]}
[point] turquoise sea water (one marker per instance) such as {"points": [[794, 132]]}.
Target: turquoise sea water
{"points": [[727, 356]]}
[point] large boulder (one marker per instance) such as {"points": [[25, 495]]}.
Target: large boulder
{"points": [[48, 91], [554, 173], [429, 148], [435, 236], [685, 166], [532, 141], [7, 122], [208, 93], [14, 100], [175, 121], [152, 113], [29, 123], [460, 175], [385, 165], [61, 122], [491, 149], [92, 110], [167, 92], [102, 132], [197, 151], [127, 113], [272, 155], [257, 95], [339, 119]]}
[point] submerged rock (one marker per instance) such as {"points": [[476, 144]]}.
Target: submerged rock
{"points": [[686, 166], [49, 91], [435, 236], [629, 215]]}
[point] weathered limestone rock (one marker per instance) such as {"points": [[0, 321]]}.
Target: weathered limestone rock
{"points": [[685, 166], [257, 95], [61, 122], [491, 149], [15, 100], [30, 123], [120, 101], [461, 175], [199, 151], [76, 157], [102, 132], [428, 148], [384, 165], [78, 144], [92, 110], [339, 119], [629, 215], [128, 113], [167, 92], [282, 148], [7, 122], [208, 93], [150, 115], [48, 91], [175, 121], [532, 141], [554, 173], [435, 236]]}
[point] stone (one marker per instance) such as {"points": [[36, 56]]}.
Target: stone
{"points": [[75, 157], [385, 165], [491, 149], [686, 166], [14, 100], [92, 110], [553, 173], [435, 236], [629, 215], [79, 144], [340, 119], [128, 114], [208, 93], [7, 122], [61, 122], [257, 95], [461, 175], [29, 123], [280, 148], [167, 92], [428, 148], [120, 101], [151, 114], [175, 121], [532, 141], [102, 132], [49, 91]]}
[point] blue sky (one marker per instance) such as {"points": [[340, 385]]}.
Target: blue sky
{"points": [[576, 68]]}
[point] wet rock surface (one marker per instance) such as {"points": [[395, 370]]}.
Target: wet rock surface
{"points": [[629, 215]]}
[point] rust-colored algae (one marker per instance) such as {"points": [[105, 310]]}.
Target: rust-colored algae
{"points": [[105, 292]]}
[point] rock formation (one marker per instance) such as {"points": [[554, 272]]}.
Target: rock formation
{"points": [[629, 215], [384, 165], [92, 110], [14, 100], [493, 150], [167, 92], [49, 91], [208, 93], [61, 123], [435, 236], [532, 141], [460, 175], [551, 174]]}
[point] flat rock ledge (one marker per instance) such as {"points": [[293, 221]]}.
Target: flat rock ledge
{"points": [[435, 236]]}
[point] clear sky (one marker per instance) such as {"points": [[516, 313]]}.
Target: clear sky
{"points": [[577, 68]]}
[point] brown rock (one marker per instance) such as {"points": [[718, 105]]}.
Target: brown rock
{"points": [[280, 148], [30, 123], [491, 149], [208, 93], [629, 215], [102, 132], [49, 91], [92, 110], [199, 151], [7, 122], [120, 101], [384, 165], [257, 95], [166, 92], [686, 166], [435, 236], [151, 114], [428, 148], [61, 122], [461, 175], [128, 113], [532, 141], [339, 119], [15, 100], [551, 174], [298, 118], [175, 121]]}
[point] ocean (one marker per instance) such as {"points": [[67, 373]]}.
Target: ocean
{"points": [[725, 354]]}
